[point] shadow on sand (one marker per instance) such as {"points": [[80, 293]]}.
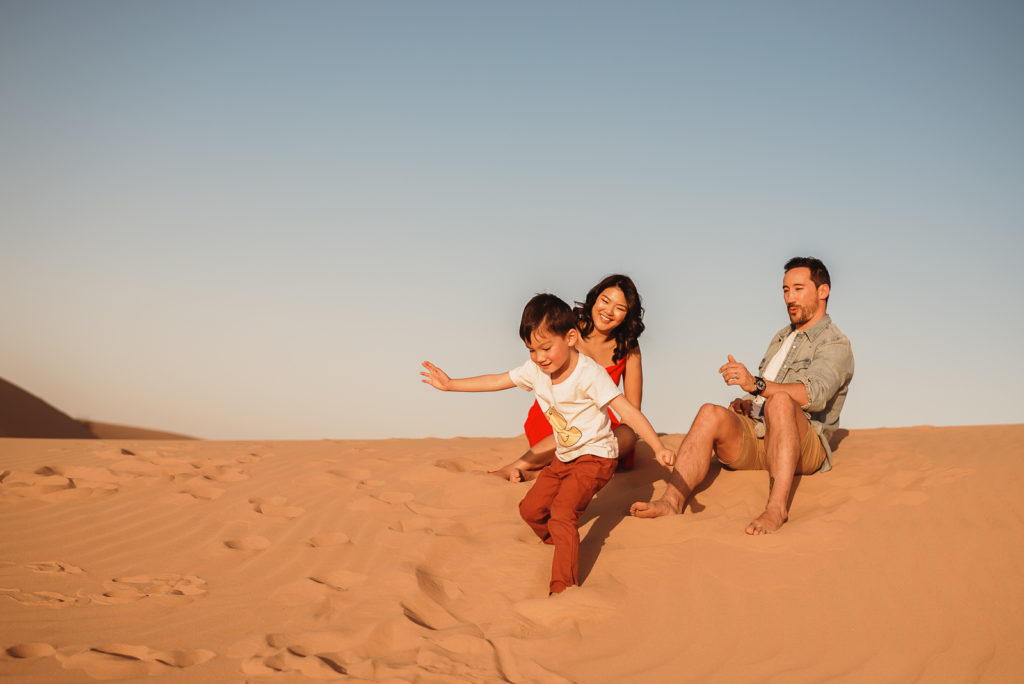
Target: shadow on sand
{"points": [[612, 503]]}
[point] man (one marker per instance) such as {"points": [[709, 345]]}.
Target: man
{"points": [[784, 423]]}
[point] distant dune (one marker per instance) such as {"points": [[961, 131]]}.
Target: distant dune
{"points": [[111, 431], [22, 414]]}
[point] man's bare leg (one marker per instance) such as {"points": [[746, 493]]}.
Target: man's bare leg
{"points": [[785, 427], [715, 429], [526, 467]]}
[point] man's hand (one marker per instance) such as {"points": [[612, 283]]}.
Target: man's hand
{"points": [[435, 377], [741, 406], [735, 373], [666, 457]]}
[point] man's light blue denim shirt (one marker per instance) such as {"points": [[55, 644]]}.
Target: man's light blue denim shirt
{"points": [[822, 359]]}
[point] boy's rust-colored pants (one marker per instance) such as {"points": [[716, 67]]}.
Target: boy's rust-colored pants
{"points": [[553, 507]]}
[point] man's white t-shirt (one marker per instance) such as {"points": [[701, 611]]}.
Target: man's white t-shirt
{"points": [[771, 373], [575, 407]]}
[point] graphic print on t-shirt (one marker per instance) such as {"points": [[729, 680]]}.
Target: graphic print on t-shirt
{"points": [[566, 437]]}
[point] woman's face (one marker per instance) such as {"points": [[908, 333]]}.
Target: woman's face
{"points": [[609, 310]]}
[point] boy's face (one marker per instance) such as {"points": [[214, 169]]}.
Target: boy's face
{"points": [[553, 353]]}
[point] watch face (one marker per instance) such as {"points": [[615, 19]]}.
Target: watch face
{"points": [[760, 384]]}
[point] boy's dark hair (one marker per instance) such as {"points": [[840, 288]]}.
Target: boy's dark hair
{"points": [[546, 312], [819, 274], [626, 334]]}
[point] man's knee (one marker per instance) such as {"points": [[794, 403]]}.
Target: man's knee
{"points": [[711, 414], [780, 405]]}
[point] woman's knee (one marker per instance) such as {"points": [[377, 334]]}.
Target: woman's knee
{"points": [[626, 438]]}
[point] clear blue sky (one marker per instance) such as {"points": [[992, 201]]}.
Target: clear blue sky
{"points": [[254, 220]]}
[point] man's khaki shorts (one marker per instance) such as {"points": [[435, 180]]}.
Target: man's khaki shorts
{"points": [[754, 457]]}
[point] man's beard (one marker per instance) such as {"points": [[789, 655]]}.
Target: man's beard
{"points": [[801, 315]]}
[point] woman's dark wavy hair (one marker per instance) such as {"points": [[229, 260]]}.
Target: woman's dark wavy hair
{"points": [[632, 326]]}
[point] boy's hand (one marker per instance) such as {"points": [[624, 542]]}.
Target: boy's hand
{"points": [[666, 457], [435, 377]]}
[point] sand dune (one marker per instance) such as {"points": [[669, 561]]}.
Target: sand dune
{"points": [[403, 561], [22, 414], [25, 415]]}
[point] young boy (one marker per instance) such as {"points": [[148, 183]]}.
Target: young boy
{"points": [[573, 391]]}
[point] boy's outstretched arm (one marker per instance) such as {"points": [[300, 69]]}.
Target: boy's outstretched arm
{"points": [[437, 378], [632, 417]]}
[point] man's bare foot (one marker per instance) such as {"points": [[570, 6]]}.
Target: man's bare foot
{"points": [[653, 509], [768, 522]]}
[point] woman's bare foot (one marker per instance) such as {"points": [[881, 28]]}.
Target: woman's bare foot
{"points": [[768, 522], [653, 509], [516, 472]]}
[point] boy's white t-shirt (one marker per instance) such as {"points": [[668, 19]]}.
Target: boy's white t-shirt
{"points": [[575, 407]]}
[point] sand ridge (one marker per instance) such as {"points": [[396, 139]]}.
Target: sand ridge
{"points": [[402, 560]]}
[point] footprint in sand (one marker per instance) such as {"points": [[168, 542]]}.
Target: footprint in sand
{"points": [[218, 472], [394, 497], [314, 655], [250, 543], [315, 589], [31, 650], [458, 465], [166, 587], [414, 525], [55, 568], [358, 474], [470, 658], [58, 483], [248, 458], [276, 507], [50, 599], [341, 580], [440, 589], [84, 477], [422, 611], [566, 612], [430, 511], [127, 661], [429, 519], [329, 539], [430, 604], [28, 485], [200, 488]]}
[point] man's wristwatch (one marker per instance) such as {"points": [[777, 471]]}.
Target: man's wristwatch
{"points": [[759, 386]]}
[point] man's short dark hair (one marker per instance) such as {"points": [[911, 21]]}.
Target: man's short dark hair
{"points": [[819, 274], [546, 312]]}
